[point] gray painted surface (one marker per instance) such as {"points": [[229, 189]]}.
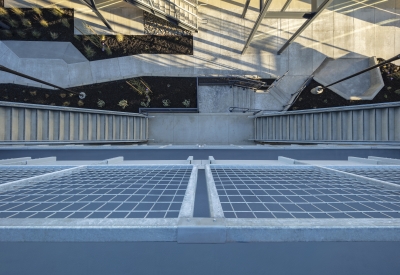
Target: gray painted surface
{"points": [[169, 153], [297, 258], [23, 122], [374, 124], [201, 207]]}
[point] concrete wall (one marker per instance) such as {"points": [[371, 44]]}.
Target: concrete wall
{"points": [[295, 258]]}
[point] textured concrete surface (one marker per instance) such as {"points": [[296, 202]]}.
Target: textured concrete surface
{"points": [[358, 87], [200, 129], [348, 28], [214, 99], [46, 50], [119, 258]]}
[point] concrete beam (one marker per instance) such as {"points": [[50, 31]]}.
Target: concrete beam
{"points": [[13, 160], [363, 160], [285, 15], [40, 160], [211, 159], [114, 160], [213, 198], [187, 207], [286, 160], [385, 160]]}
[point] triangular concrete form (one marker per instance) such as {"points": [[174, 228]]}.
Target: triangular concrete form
{"points": [[362, 87]]}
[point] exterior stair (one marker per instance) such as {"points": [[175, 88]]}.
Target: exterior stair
{"points": [[243, 98], [181, 12], [279, 95], [40, 124], [361, 124]]}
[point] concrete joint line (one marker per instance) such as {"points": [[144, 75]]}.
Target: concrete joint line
{"points": [[28, 181]]}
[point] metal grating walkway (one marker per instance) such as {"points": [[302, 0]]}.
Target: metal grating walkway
{"points": [[13, 173], [102, 192], [299, 192]]}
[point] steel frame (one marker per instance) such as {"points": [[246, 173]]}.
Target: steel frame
{"points": [[246, 6], [92, 5], [315, 11]]}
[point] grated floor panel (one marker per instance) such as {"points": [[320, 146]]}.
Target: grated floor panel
{"points": [[102, 192], [299, 192]]}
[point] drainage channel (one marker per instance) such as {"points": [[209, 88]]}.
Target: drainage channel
{"points": [[201, 204]]}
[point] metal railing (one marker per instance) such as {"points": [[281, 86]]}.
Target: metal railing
{"points": [[149, 5], [297, 93], [244, 110], [338, 109], [276, 82], [233, 80], [168, 110]]}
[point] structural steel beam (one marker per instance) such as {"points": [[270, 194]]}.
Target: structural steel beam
{"points": [[257, 24], [246, 6], [92, 5], [314, 5], [286, 5], [285, 15], [320, 9]]}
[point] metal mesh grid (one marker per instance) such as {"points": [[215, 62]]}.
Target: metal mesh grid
{"points": [[384, 173], [13, 173], [102, 192], [299, 192]]}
